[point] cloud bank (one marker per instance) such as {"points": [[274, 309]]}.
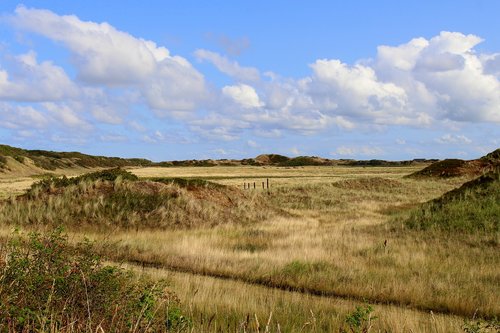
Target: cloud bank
{"points": [[424, 83]]}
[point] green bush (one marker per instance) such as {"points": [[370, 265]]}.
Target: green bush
{"points": [[360, 320], [48, 285]]}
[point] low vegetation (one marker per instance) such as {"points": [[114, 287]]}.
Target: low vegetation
{"points": [[48, 285], [474, 207]]}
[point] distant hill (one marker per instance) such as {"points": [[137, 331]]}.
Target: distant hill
{"points": [[17, 159], [23, 161], [456, 167]]}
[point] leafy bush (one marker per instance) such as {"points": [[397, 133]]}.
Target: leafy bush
{"points": [[360, 320], [48, 285], [481, 326]]}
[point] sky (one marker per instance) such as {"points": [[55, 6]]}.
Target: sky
{"points": [[175, 80]]}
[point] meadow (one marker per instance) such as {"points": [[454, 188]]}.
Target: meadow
{"points": [[324, 249]]}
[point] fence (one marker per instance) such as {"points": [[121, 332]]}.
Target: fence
{"points": [[249, 186]]}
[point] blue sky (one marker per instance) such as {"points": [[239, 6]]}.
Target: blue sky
{"points": [[231, 79]]}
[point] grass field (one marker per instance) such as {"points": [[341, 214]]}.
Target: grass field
{"points": [[328, 239]]}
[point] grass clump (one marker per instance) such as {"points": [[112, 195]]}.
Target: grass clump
{"points": [[188, 183], [47, 284], [474, 207], [52, 183]]}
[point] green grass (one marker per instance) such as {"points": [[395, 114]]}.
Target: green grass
{"points": [[474, 207]]}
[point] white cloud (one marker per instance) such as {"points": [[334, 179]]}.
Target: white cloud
{"points": [[106, 56], [113, 138], [426, 82], [22, 117], [401, 141], [244, 95], [359, 151], [491, 64], [106, 114], [354, 91], [443, 76], [226, 66], [66, 115], [34, 82], [252, 144], [453, 139], [136, 126]]}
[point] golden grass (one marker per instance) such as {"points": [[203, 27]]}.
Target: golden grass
{"points": [[228, 303], [230, 175], [333, 238], [14, 186]]}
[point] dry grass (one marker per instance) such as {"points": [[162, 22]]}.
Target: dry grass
{"points": [[333, 237], [216, 304], [14, 186]]}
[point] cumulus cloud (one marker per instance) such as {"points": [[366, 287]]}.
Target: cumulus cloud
{"points": [[32, 81], [244, 95], [443, 76], [425, 82], [104, 55]]}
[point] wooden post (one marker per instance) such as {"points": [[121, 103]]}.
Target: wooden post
{"points": [[254, 185], [263, 187], [244, 186], [268, 183]]}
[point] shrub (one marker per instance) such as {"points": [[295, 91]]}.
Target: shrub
{"points": [[360, 320], [47, 284]]}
